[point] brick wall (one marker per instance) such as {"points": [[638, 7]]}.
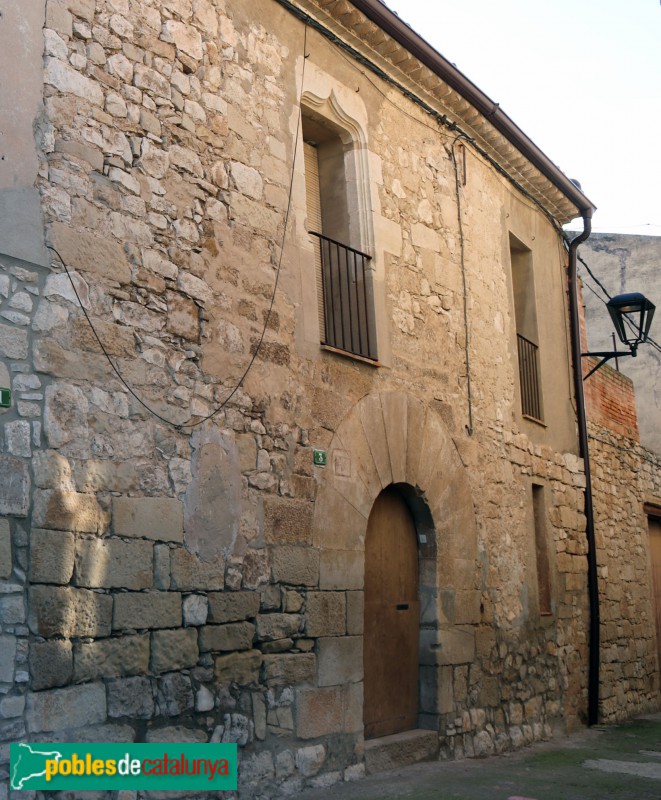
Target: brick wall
{"points": [[610, 400]]}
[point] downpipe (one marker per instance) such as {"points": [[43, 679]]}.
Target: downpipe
{"points": [[584, 452]]}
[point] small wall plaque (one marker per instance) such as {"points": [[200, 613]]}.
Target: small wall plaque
{"points": [[5, 398], [319, 458]]}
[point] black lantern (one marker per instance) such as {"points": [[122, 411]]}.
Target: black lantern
{"points": [[632, 317], [635, 309]]}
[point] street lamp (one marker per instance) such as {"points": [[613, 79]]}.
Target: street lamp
{"points": [[631, 314]]}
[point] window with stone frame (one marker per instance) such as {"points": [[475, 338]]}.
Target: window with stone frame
{"points": [[343, 273], [525, 312]]}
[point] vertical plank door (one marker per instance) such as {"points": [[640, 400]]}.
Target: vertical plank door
{"points": [[392, 618]]}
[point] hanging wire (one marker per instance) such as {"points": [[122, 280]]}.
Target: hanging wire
{"points": [[652, 342], [649, 459], [258, 346]]}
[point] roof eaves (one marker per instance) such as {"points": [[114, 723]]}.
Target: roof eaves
{"points": [[391, 24]]}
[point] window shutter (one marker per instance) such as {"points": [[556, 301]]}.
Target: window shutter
{"points": [[313, 200]]}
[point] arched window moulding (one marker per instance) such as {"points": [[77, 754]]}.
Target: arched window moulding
{"points": [[347, 116]]}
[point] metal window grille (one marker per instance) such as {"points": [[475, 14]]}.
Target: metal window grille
{"points": [[348, 298], [531, 398]]}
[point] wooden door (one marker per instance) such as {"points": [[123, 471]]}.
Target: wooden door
{"points": [[655, 552], [392, 618]]}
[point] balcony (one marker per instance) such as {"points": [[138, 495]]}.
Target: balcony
{"points": [[531, 397], [347, 300]]}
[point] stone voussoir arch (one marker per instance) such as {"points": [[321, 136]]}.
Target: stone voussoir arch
{"points": [[392, 437]]}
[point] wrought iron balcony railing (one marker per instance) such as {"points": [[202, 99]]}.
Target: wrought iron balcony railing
{"points": [[531, 397], [348, 298]]}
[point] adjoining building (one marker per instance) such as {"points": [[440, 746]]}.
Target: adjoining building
{"points": [[290, 458], [624, 263]]}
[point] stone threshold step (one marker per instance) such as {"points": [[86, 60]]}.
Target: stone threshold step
{"points": [[400, 750]]}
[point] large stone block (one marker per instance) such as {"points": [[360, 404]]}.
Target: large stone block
{"points": [[51, 556], [7, 657], [355, 613], [288, 521], [340, 660], [65, 414], [234, 636], [341, 569], [51, 470], [353, 708], [131, 697], [319, 712], [189, 572], [232, 606], [161, 567], [289, 669], [113, 563], [171, 650], [457, 646], [296, 566], [140, 610], [467, 607], [110, 658], [241, 668], [14, 486], [68, 511], [51, 664], [277, 626], [65, 611], [60, 709], [325, 614], [87, 251], [159, 518], [6, 566], [213, 497]]}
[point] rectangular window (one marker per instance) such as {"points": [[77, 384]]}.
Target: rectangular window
{"points": [[345, 298], [525, 313], [541, 550]]}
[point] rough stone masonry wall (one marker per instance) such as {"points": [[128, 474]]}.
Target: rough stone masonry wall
{"points": [[174, 585], [527, 680], [625, 476]]}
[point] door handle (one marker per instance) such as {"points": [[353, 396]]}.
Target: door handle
{"points": [[402, 606]]}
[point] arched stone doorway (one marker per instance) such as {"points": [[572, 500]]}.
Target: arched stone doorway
{"points": [[393, 439]]}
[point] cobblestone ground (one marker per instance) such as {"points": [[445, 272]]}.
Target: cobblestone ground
{"points": [[619, 762]]}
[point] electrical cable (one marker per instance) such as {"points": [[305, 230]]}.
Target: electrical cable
{"points": [[654, 461], [257, 348], [440, 118], [652, 342]]}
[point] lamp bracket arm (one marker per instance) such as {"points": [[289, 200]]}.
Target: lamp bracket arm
{"points": [[605, 356]]}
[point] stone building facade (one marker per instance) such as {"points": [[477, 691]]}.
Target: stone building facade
{"points": [[183, 550]]}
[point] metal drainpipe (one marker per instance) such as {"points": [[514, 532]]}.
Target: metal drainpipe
{"points": [[593, 588]]}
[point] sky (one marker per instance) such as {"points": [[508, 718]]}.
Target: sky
{"points": [[582, 78]]}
